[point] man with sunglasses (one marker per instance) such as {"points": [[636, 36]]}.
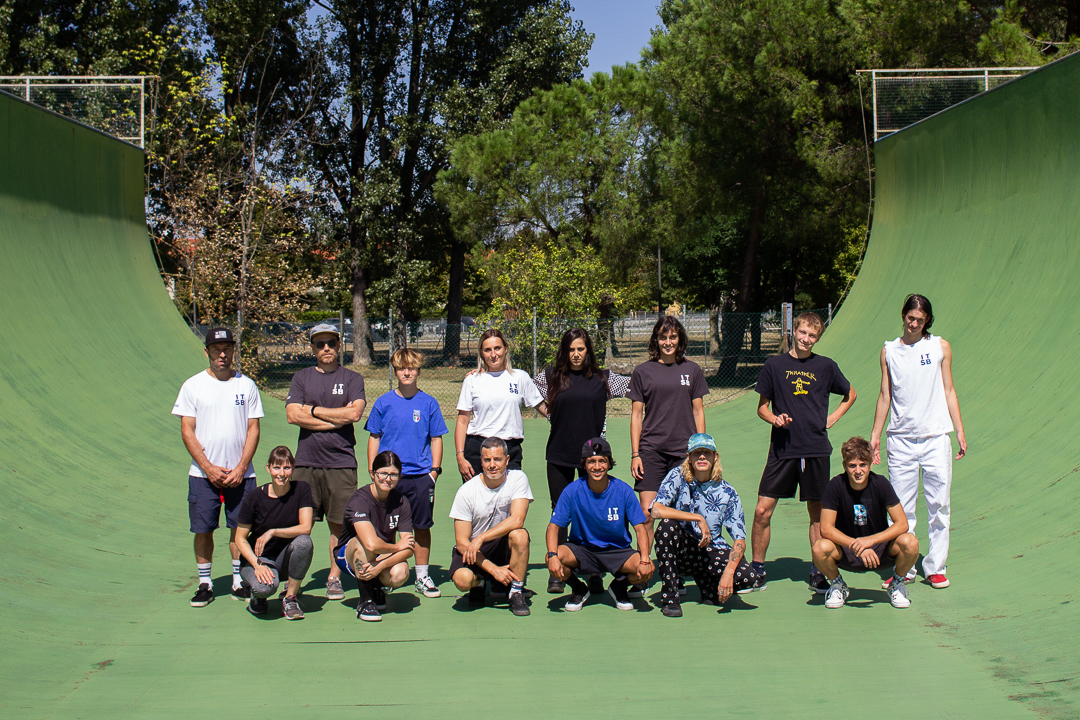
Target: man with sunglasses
{"points": [[325, 401]]}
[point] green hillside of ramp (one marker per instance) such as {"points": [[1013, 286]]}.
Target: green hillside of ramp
{"points": [[975, 209]]}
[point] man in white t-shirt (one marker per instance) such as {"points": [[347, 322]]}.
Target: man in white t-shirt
{"points": [[219, 413], [489, 529]]}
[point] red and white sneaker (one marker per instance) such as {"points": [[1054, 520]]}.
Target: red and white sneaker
{"points": [[939, 581]]}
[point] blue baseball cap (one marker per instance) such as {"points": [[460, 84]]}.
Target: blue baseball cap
{"points": [[700, 440]]}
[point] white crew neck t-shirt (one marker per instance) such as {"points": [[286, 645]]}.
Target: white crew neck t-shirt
{"points": [[485, 508], [494, 399], [221, 409]]}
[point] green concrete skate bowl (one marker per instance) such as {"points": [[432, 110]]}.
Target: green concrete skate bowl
{"points": [[976, 208]]}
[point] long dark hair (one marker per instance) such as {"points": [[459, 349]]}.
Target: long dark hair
{"points": [[559, 375], [919, 302], [665, 324]]}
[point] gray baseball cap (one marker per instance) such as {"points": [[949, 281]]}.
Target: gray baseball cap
{"points": [[323, 328]]}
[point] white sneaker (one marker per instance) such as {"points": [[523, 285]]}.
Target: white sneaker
{"points": [[427, 587], [898, 595], [837, 595]]}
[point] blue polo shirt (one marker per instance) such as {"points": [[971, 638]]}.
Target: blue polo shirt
{"points": [[598, 522], [406, 426]]}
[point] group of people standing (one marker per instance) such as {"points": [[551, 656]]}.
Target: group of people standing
{"points": [[681, 509]]}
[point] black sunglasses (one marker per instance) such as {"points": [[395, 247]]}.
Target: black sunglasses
{"points": [[320, 344]]}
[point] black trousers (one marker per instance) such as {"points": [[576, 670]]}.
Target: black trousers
{"points": [[677, 554]]}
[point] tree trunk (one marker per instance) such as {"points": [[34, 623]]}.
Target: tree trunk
{"points": [[734, 325], [744, 301], [362, 346], [1072, 19], [454, 299], [714, 329]]}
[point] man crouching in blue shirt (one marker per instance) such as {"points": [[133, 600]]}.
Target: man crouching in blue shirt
{"points": [[694, 505], [598, 508]]}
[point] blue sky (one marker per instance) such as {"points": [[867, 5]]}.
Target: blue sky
{"points": [[621, 27]]}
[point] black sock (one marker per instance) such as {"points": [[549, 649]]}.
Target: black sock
{"points": [[576, 585], [619, 581], [365, 590], [759, 566]]}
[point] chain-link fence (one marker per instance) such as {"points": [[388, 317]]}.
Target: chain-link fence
{"points": [[729, 347]]}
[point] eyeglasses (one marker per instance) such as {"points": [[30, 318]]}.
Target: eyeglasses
{"points": [[385, 476], [320, 344]]}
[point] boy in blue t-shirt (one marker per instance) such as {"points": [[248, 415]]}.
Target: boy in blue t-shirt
{"points": [[598, 509], [409, 422]]}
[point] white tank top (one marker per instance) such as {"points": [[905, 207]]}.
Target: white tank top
{"points": [[918, 406]]}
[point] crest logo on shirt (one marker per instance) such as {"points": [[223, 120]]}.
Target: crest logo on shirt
{"points": [[416, 416], [860, 514]]}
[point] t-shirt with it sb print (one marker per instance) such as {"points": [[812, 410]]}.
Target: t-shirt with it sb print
{"points": [[389, 517]]}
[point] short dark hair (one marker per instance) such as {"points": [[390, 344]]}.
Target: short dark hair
{"points": [[665, 324], [492, 443], [856, 447], [919, 302], [281, 455], [387, 458]]}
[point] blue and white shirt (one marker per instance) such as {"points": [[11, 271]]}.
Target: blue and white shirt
{"points": [[716, 501]]}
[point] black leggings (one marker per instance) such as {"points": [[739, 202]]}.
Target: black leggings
{"points": [[559, 478]]}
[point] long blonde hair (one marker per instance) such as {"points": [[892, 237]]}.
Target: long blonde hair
{"points": [[717, 469], [486, 335]]}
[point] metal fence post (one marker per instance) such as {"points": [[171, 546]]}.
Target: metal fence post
{"points": [[534, 342], [785, 326], [390, 349], [341, 329], [829, 321]]}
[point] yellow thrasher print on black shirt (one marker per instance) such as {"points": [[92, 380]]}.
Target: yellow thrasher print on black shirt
{"points": [[802, 379]]}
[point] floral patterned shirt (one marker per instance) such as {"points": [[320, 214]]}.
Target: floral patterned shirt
{"points": [[716, 501]]}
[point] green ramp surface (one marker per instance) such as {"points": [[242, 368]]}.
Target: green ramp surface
{"points": [[974, 210]]}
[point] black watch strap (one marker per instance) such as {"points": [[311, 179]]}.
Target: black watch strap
{"points": [[437, 470], [552, 554]]}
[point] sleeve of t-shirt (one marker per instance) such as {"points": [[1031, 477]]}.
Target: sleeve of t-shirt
{"points": [[356, 388], [465, 397], [374, 424], [764, 386], [618, 385], [296, 390], [699, 388], [735, 521], [636, 391], [840, 384], [521, 488], [246, 516], [830, 499], [888, 494], [405, 521], [632, 508], [436, 424], [303, 495], [254, 406], [561, 516], [541, 383], [462, 507], [529, 392], [669, 489], [185, 402]]}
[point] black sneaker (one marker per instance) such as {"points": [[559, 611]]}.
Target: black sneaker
{"points": [[241, 593], [596, 585], [576, 601], [672, 609], [555, 585], [619, 592], [367, 612], [818, 583], [760, 583], [476, 596], [203, 596], [258, 606], [378, 597], [518, 606]]}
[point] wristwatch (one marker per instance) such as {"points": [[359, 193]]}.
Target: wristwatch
{"points": [[552, 554], [437, 471]]}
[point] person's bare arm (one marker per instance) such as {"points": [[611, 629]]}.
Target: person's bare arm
{"points": [[726, 586], [251, 444], [436, 456], [881, 410], [951, 399], [845, 405], [471, 555], [637, 410], [519, 508], [262, 573], [372, 449], [699, 414], [765, 413], [365, 533], [551, 539], [899, 527], [542, 408], [303, 527], [341, 416], [214, 473], [300, 415], [829, 531], [461, 429]]}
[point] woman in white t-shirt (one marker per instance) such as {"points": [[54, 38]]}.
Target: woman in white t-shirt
{"points": [[490, 405]]}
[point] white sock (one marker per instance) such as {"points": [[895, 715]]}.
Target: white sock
{"points": [[516, 586], [204, 574], [237, 581], [421, 572]]}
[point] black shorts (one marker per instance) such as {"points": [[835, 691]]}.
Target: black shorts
{"points": [[595, 562], [331, 489], [472, 453], [205, 501], [781, 477], [853, 562], [656, 466], [497, 551], [420, 490]]}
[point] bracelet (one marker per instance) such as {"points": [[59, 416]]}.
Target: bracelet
{"points": [[460, 452], [634, 455], [312, 411]]}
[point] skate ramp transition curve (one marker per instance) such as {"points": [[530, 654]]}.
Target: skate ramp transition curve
{"points": [[975, 208]]}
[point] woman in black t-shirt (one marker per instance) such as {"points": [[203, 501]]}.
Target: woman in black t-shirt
{"points": [[576, 391], [278, 515]]}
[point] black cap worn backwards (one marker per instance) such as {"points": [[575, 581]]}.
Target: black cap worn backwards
{"points": [[596, 446]]}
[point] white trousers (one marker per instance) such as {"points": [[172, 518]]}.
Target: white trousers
{"points": [[907, 455]]}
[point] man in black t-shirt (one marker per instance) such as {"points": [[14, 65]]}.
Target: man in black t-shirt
{"points": [[855, 529], [366, 549], [797, 385], [325, 401]]}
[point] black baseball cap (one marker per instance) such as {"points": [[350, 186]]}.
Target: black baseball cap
{"points": [[219, 335], [596, 446]]}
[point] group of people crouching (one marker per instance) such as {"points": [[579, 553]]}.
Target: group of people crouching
{"points": [[594, 516]]}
